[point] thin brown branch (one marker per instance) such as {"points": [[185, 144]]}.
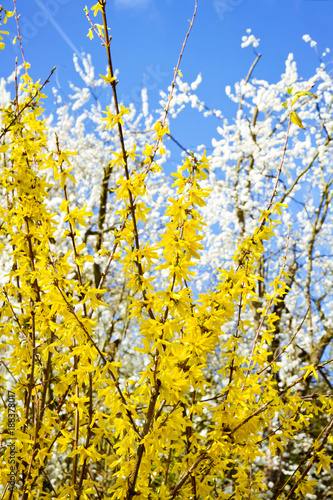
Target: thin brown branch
{"points": [[255, 62], [173, 83], [76, 421], [71, 227], [107, 41], [90, 416], [284, 348], [26, 105], [150, 415], [264, 316], [19, 34], [187, 474], [117, 385], [327, 432]]}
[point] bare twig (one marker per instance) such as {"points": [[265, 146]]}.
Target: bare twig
{"points": [[284, 348], [173, 83], [19, 34]]}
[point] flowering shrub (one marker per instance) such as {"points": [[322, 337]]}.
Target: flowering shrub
{"points": [[132, 377]]}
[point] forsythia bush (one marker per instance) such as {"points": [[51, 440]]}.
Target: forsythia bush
{"points": [[162, 434]]}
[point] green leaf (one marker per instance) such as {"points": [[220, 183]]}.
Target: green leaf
{"points": [[289, 90], [285, 105], [299, 94], [296, 119]]}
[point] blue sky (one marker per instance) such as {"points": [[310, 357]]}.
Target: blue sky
{"points": [[148, 35]]}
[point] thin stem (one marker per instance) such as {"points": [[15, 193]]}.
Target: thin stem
{"points": [[284, 348], [107, 41], [19, 34], [26, 105], [71, 227], [327, 432], [77, 421], [173, 83], [267, 309]]}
